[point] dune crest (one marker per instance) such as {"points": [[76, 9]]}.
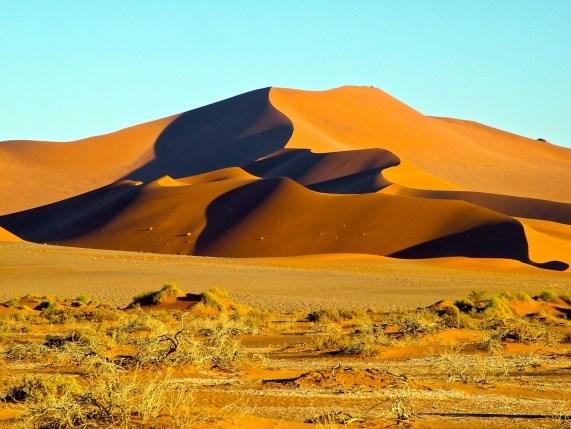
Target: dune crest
{"points": [[278, 172]]}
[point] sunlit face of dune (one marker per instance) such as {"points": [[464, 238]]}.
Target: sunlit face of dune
{"points": [[279, 172], [435, 152]]}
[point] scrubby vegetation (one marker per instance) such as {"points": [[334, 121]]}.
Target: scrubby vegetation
{"points": [[91, 365]]}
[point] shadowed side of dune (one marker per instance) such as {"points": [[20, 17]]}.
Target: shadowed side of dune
{"points": [[358, 183], [502, 240], [228, 210], [352, 171], [277, 217], [513, 206], [71, 217], [229, 133]]}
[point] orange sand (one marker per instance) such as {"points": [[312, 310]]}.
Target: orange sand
{"points": [[279, 172]]}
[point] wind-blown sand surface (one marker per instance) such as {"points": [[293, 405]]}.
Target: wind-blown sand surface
{"points": [[277, 283], [425, 205]]}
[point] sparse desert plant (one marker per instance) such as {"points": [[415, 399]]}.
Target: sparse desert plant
{"points": [[110, 399], [492, 344], [330, 335], [37, 388], [458, 320], [30, 351], [141, 323], [470, 369], [168, 292], [331, 418], [524, 362], [465, 305], [547, 296], [100, 313], [476, 296], [12, 302], [56, 315], [83, 299], [523, 331], [418, 322], [219, 348], [498, 307], [324, 315], [10, 326], [401, 408], [522, 296], [209, 299], [361, 346]]}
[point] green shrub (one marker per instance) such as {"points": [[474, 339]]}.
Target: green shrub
{"points": [[547, 296], [83, 299]]}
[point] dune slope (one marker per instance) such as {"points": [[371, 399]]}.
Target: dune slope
{"points": [[278, 172]]}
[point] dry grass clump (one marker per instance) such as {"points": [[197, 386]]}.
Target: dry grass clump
{"points": [[168, 293], [523, 331], [331, 418], [219, 348], [417, 322], [364, 340], [109, 398], [401, 406], [11, 326], [139, 324], [75, 311], [470, 369], [37, 388], [26, 352], [547, 296], [333, 315], [329, 335]]}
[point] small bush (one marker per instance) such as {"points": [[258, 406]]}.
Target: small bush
{"points": [[330, 335], [56, 315], [417, 323], [83, 299], [110, 399], [464, 305], [522, 331], [209, 299], [470, 369], [21, 352], [37, 388], [12, 327], [476, 296], [498, 307], [547, 296], [167, 293], [12, 302]]}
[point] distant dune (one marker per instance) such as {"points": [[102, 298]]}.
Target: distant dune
{"points": [[280, 172]]}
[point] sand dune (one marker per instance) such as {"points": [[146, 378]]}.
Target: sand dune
{"points": [[352, 171], [233, 132], [513, 206], [475, 157], [279, 172]]}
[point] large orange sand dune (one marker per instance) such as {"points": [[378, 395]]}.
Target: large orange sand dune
{"points": [[279, 172]]}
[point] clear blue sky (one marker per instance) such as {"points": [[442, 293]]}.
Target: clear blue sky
{"points": [[71, 69]]}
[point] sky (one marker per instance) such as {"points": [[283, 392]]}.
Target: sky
{"points": [[72, 69]]}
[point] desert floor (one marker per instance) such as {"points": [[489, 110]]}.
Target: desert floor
{"points": [[283, 284], [204, 361]]}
